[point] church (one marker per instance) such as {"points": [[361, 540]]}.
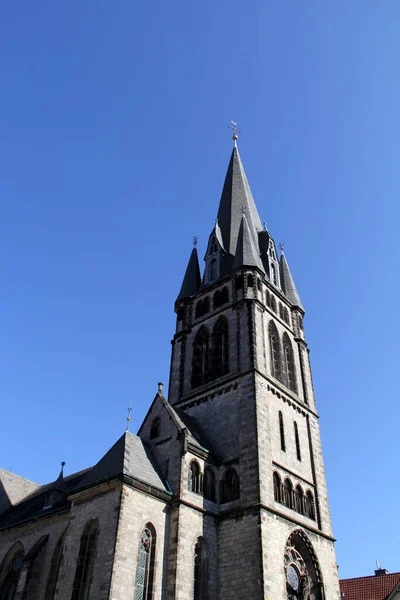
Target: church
{"points": [[222, 493]]}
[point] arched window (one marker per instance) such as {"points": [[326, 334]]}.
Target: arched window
{"points": [[213, 246], [155, 428], [259, 286], [194, 477], [299, 499], [289, 365], [209, 484], [200, 359], [84, 567], [310, 506], [145, 568], [213, 270], [277, 488], [230, 489], [11, 572], [275, 351], [221, 297], [288, 493], [220, 347], [250, 281], [200, 574], [273, 274], [302, 571], [282, 432], [273, 303], [239, 282], [181, 314], [202, 307], [55, 565], [297, 440]]}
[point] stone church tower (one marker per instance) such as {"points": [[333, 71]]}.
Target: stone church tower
{"points": [[222, 494]]}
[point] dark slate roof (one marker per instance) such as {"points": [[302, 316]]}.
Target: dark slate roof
{"points": [[196, 436], [247, 254], [235, 197], [374, 587], [13, 489], [129, 456], [191, 281], [288, 285]]}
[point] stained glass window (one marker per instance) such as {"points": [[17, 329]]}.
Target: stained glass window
{"points": [[143, 571]]}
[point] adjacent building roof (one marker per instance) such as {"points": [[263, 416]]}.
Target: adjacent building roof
{"points": [[13, 489], [375, 587]]}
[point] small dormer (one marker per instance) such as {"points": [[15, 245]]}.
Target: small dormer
{"points": [[269, 258]]}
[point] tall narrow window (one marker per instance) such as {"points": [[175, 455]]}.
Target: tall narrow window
{"points": [[288, 493], [239, 282], [200, 574], [209, 484], [220, 345], [194, 477], [12, 571], [84, 567], [299, 499], [273, 274], [230, 488], [145, 568], [297, 440], [310, 506], [200, 360], [213, 246], [289, 365], [275, 351], [155, 428], [250, 281], [55, 565], [282, 432], [213, 269], [277, 488]]}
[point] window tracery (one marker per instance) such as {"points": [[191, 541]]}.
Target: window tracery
{"points": [[220, 347], [302, 571], [201, 358], [195, 477], [145, 568], [84, 567], [230, 489]]}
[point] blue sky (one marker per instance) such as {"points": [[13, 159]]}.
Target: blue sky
{"points": [[113, 154]]}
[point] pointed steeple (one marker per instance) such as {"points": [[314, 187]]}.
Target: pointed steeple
{"points": [[246, 254], [191, 281], [236, 197], [288, 284]]}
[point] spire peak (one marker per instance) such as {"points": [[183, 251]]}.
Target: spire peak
{"points": [[236, 131]]}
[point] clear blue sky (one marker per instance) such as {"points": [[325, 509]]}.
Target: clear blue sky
{"points": [[114, 147]]}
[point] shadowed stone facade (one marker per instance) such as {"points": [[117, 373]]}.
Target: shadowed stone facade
{"points": [[222, 493]]}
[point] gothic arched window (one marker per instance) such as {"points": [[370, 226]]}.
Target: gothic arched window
{"points": [[221, 297], [299, 499], [273, 274], [201, 358], [55, 565], [250, 281], [145, 568], [288, 493], [277, 487], [11, 572], [220, 346], [230, 489], [310, 506], [297, 440], [213, 272], [289, 365], [275, 351], [194, 477], [155, 428], [209, 484], [200, 574], [202, 307], [213, 246], [302, 570], [282, 432], [84, 567]]}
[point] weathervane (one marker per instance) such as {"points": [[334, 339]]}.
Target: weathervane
{"points": [[128, 418], [195, 240], [235, 132]]}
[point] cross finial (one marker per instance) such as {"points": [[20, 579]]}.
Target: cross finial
{"points": [[235, 132], [195, 240], [128, 418], [243, 209], [281, 246]]}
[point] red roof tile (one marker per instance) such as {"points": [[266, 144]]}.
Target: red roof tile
{"points": [[375, 587]]}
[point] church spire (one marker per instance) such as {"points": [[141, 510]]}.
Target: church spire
{"points": [[247, 254], [236, 197], [191, 281], [288, 284]]}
